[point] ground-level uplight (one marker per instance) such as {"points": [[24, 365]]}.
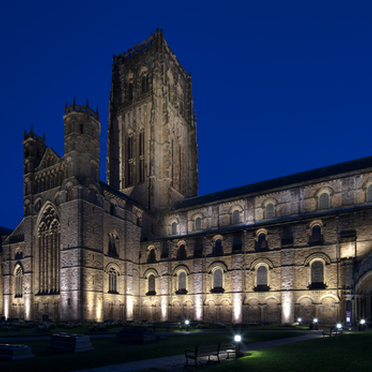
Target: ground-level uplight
{"points": [[187, 322], [315, 321], [362, 324], [237, 339]]}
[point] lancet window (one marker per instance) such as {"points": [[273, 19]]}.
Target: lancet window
{"points": [[49, 252], [19, 283]]}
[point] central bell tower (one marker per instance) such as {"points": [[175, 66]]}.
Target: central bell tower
{"points": [[152, 153]]}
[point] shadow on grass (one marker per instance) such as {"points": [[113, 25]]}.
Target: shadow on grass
{"points": [[107, 352], [349, 352]]}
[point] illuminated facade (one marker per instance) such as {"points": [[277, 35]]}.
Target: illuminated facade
{"points": [[144, 246]]}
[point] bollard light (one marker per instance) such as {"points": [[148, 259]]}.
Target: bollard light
{"points": [[363, 321], [237, 339], [299, 320], [315, 320], [339, 325], [187, 322]]}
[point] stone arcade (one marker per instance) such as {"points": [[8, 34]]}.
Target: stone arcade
{"points": [[144, 246]]}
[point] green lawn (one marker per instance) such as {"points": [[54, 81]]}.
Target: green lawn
{"points": [[349, 352], [107, 352]]}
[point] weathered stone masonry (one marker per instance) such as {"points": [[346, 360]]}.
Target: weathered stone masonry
{"points": [[144, 246]]}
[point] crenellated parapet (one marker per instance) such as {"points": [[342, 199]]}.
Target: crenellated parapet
{"points": [[82, 109]]}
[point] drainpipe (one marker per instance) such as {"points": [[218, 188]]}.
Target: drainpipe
{"points": [[337, 270]]}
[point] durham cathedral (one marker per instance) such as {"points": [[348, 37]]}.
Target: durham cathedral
{"points": [[145, 247]]}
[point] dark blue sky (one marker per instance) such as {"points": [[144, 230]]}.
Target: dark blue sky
{"points": [[279, 86]]}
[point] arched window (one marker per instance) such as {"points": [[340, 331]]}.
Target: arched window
{"points": [[262, 278], [270, 211], [261, 242], [236, 217], [174, 228], [112, 209], [316, 235], [237, 243], [182, 283], [113, 280], [369, 195], [151, 285], [112, 251], [181, 252], [317, 275], [152, 257], [49, 252], [218, 247], [324, 201], [198, 224], [19, 283], [141, 157], [217, 281], [145, 83]]}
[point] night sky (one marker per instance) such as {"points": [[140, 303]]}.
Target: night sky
{"points": [[279, 87]]}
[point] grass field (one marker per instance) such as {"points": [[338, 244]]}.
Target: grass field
{"points": [[349, 352], [107, 352]]}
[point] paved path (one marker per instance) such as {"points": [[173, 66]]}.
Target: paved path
{"points": [[176, 363]]}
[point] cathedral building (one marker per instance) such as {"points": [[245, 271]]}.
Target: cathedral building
{"points": [[144, 246]]}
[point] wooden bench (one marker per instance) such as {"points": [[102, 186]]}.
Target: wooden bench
{"points": [[167, 326], [332, 331], [208, 350]]}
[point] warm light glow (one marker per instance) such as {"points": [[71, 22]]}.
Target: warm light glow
{"points": [[27, 309], [164, 307], [362, 321], [237, 338], [198, 307], [287, 306], [6, 307], [237, 309]]}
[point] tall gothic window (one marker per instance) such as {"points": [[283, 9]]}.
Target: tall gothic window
{"points": [[145, 83], [49, 252], [113, 280], [130, 90], [112, 249], [151, 285], [236, 217], [262, 278], [19, 283], [317, 275], [217, 281], [130, 160], [141, 143], [182, 283], [324, 201]]}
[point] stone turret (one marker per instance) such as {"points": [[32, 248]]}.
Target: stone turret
{"points": [[33, 149], [82, 136]]}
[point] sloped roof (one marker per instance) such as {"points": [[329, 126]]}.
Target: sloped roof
{"points": [[331, 170], [5, 231]]}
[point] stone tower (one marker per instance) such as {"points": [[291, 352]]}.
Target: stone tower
{"points": [[151, 146], [81, 213]]}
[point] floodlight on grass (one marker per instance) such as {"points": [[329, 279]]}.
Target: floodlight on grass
{"points": [[237, 339], [187, 322]]}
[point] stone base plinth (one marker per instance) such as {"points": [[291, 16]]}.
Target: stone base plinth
{"points": [[135, 336], [15, 352], [70, 343]]}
